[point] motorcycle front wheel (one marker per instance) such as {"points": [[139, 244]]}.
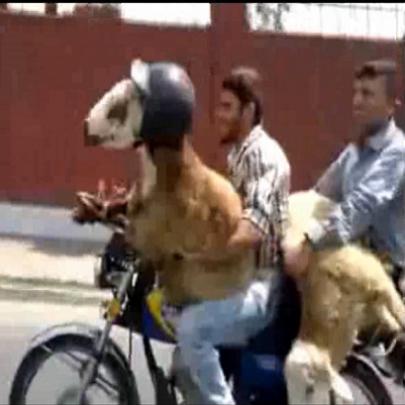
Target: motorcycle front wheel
{"points": [[111, 385]]}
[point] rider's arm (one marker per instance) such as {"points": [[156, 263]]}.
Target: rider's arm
{"points": [[330, 183], [260, 182], [355, 213], [246, 236]]}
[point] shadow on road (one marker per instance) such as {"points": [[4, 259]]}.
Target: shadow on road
{"points": [[58, 247]]}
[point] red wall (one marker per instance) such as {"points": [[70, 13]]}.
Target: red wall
{"points": [[53, 69]]}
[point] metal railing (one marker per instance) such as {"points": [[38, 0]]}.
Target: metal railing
{"points": [[369, 20]]}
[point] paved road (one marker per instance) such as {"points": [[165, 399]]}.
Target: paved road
{"points": [[48, 260], [20, 321]]}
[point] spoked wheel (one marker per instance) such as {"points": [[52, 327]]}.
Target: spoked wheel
{"points": [[52, 374], [71, 396], [365, 382]]}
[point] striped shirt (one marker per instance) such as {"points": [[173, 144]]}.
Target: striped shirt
{"points": [[259, 170]]}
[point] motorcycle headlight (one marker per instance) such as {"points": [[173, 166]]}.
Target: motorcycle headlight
{"points": [[105, 275]]}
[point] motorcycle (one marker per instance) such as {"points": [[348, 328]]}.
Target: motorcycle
{"points": [[255, 371]]}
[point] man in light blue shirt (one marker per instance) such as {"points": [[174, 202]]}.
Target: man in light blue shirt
{"points": [[368, 183], [367, 180]]}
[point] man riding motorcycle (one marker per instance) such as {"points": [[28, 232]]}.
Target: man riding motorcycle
{"points": [[368, 183]]}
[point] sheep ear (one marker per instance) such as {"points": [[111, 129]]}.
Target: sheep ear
{"points": [[140, 74]]}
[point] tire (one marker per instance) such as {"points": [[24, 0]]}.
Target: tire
{"points": [[37, 356], [366, 382]]}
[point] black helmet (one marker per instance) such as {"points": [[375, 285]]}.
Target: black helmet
{"points": [[168, 102]]}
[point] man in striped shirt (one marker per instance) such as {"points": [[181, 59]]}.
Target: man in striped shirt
{"points": [[260, 171]]}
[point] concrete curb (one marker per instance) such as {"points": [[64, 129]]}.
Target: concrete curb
{"points": [[50, 291], [46, 283], [49, 257], [54, 259], [47, 222]]}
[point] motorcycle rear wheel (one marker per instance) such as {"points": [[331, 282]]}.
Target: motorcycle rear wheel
{"points": [[366, 383]]}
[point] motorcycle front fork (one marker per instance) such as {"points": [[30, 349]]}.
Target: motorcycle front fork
{"points": [[113, 310]]}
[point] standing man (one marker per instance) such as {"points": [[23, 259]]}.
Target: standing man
{"points": [[368, 183]]}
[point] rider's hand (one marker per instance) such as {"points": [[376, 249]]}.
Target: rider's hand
{"points": [[89, 208], [296, 254], [116, 207]]}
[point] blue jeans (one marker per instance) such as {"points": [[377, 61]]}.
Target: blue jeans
{"points": [[228, 322]]}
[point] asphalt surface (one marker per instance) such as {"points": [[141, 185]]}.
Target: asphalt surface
{"points": [[44, 282], [19, 322]]}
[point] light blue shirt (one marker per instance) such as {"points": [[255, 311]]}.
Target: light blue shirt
{"points": [[369, 185]]}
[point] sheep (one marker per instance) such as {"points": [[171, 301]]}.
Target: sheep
{"points": [[189, 209], [346, 290], [182, 208]]}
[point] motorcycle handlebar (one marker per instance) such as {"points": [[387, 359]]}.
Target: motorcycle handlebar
{"points": [[113, 226]]}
